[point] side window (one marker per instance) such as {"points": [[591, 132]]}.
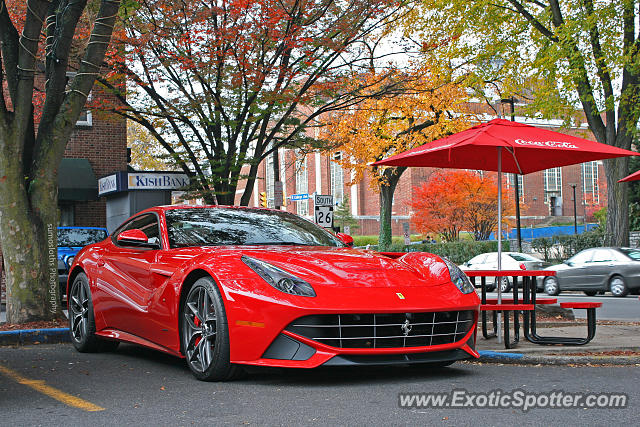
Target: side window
{"points": [[582, 257], [477, 260], [603, 255], [491, 258], [149, 226]]}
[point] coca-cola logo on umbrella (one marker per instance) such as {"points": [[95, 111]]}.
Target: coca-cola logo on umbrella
{"points": [[552, 144]]}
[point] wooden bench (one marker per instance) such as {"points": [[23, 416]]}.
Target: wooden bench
{"points": [[505, 308], [591, 326]]}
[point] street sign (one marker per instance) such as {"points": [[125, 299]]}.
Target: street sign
{"points": [[323, 200], [297, 197], [324, 216]]}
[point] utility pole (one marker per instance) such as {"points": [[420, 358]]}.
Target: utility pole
{"points": [[575, 211], [511, 101]]}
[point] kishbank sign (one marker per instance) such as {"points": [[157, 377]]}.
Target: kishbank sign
{"points": [[123, 181], [156, 181]]}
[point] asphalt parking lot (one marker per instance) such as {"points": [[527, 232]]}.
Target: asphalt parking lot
{"points": [[38, 385]]}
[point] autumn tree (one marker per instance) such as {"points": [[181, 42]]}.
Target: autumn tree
{"points": [[223, 84], [559, 55], [424, 107], [38, 112], [146, 153], [455, 200]]}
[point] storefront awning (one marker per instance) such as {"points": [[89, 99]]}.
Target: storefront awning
{"points": [[76, 180]]}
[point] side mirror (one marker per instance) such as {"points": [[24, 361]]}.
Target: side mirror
{"points": [[134, 237], [345, 238]]}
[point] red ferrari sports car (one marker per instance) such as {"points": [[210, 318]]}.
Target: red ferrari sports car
{"points": [[231, 286]]}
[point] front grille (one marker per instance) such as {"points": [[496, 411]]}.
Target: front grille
{"points": [[385, 330]]}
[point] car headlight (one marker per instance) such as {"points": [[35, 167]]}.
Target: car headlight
{"points": [[459, 278], [70, 260], [278, 278]]}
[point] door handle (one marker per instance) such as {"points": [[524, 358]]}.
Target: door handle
{"points": [[100, 262]]}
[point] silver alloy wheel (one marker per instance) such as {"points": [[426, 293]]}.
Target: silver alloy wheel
{"points": [[79, 308], [617, 286], [199, 328], [551, 286], [504, 284]]}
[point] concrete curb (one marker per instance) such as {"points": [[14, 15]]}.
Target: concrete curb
{"points": [[34, 336], [527, 359]]}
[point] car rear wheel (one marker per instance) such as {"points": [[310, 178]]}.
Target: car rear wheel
{"points": [[591, 293], [618, 287], [205, 333], [551, 286], [505, 284], [82, 323]]}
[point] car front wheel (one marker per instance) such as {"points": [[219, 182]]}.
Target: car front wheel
{"points": [[618, 287], [81, 319], [205, 334], [551, 286]]}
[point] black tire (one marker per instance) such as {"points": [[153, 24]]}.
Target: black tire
{"points": [[591, 293], [82, 323], [618, 286], [204, 333], [551, 286]]}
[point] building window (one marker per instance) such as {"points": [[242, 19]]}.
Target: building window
{"points": [[512, 183], [269, 180], [302, 184], [552, 183], [85, 119], [337, 179], [590, 187]]}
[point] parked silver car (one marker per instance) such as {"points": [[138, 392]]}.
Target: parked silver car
{"points": [[597, 270], [510, 261]]}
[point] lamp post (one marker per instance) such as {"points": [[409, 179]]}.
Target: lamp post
{"points": [[511, 101], [575, 210]]}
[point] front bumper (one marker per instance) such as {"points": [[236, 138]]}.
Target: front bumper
{"points": [[259, 333]]}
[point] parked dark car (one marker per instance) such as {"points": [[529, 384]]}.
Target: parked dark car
{"points": [[597, 270], [70, 241]]}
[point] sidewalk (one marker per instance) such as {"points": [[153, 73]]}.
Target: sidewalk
{"points": [[610, 344]]}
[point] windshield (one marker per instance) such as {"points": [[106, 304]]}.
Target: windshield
{"points": [[80, 236], [231, 226], [634, 254]]}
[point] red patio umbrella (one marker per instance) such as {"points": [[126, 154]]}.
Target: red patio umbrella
{"points": [[633, 177], [504, 146]]}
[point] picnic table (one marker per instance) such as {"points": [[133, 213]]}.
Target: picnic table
{"points": [[526, 304]]}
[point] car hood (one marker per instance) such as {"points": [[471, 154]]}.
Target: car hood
{"points": [[344, 267]]}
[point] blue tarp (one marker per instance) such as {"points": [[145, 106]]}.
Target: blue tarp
{"points": [[533, 233]]}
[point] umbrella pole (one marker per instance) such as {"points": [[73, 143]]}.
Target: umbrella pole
{"points": [[499, 279]]}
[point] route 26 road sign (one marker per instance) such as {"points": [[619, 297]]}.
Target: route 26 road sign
{"points": [[324, 216]]}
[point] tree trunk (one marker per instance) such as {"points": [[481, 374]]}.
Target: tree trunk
{"points": [[617, 233], [386, 201], [29, 246]]}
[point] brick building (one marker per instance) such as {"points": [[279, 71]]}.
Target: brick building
{"points": [[544, 195]]}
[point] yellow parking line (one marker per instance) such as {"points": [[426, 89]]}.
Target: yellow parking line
{"points": [[60, 396]]}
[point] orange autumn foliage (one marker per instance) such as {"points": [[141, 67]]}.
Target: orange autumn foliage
{"points": [[455, 200]]}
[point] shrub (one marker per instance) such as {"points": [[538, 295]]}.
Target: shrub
{"points": [[561, 247], [457, 252]]}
